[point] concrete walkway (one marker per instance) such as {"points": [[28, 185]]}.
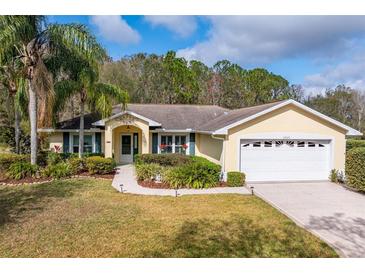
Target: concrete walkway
{"points": [[329, 211], [125, 180]]}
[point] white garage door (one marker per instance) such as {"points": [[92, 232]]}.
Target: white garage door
{"points": [[274, 160]]}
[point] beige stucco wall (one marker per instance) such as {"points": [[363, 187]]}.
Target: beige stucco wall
{"points": [[115, 127], [208, 147], [55, 139], [287, 119]]}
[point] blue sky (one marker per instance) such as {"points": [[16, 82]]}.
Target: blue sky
{"points": [[317, 52]]}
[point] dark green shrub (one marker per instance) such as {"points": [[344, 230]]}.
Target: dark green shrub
{"points": [[148, 171], [77, 165], [352, 143], [53, 158], [99, 165], [20, 170], [68, 155], [235, 178], [6, 159], [57, 171], [173, 159], [197, 174], [355, 168]]}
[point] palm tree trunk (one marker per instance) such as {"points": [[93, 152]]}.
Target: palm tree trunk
{"points": [[33, 123], [17, 130], [81, 133]]}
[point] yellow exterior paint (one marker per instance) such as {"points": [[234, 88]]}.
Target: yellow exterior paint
{"points": [[115, 127], [287, 119], [208, 147], [55, 139]]}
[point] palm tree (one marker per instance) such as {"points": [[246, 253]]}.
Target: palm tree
{"points": [[35, 42], [97, 96]]}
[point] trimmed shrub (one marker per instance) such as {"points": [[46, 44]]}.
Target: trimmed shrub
{"points": [[77, 165], [353, 143], [333, 176], [148, 171], [235, 178], [99, 165], [6, 159], [20, 170], [355, 168], [197, 174], [57, 171], [173, 159]]}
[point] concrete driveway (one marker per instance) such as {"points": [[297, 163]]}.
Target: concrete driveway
{"points": [[328, 210]]}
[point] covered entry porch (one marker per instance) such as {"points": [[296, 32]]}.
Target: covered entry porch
{"points": [[126, 136]]}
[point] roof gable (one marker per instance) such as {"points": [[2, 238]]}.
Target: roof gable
{"points": [[224, 129]]}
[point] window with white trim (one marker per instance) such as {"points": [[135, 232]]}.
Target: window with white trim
{"points": [[166, 144], [173, 143], [88, 143], [180, 144]]}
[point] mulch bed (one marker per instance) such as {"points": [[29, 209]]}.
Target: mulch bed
{"points": [[154, 184], [28, 181], [31, 180]]}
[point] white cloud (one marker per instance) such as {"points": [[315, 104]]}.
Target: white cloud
{"points": [[115, 29], [183, 26], [262, 39], [350, 73]]}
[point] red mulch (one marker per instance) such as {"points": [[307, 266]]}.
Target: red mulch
{"points": [[154, 184]]}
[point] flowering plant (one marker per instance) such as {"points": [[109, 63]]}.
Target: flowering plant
{"points": [[57, 148], [185, 146], [163, 146]]}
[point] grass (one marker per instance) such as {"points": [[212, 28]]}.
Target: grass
{"points": [[87, 218]]}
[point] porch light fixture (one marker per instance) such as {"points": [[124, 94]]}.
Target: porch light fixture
{"points": [[128, 127]]}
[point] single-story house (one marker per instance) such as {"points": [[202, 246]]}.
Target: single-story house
{"points": [[284, 140]]}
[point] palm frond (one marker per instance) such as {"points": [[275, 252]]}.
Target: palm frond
{"points": [[76, 38], [63, 91]]}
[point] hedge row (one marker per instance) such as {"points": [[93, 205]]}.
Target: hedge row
{"points": [[183, 171], [18, 166], [352, 143], [355, 168]]}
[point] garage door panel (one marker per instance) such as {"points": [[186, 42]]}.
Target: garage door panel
{"points": [[285, 160]]}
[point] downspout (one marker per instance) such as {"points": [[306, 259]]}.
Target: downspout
{"points": [[223, 173]]}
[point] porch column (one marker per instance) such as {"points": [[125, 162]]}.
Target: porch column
{"points": [[108, 142], [145, 137]]}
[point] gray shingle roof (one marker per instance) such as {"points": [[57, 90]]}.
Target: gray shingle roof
{"points": [[195, 117], [235, 116]]}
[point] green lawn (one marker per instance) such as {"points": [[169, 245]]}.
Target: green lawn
{"points": [[87, 218]]}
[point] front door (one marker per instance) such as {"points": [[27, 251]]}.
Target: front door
{"points": [[126, 148]]}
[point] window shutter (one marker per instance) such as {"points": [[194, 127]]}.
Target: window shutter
{"points": [[66, 142], [98, 142], [192, 144], [154, 142]]}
